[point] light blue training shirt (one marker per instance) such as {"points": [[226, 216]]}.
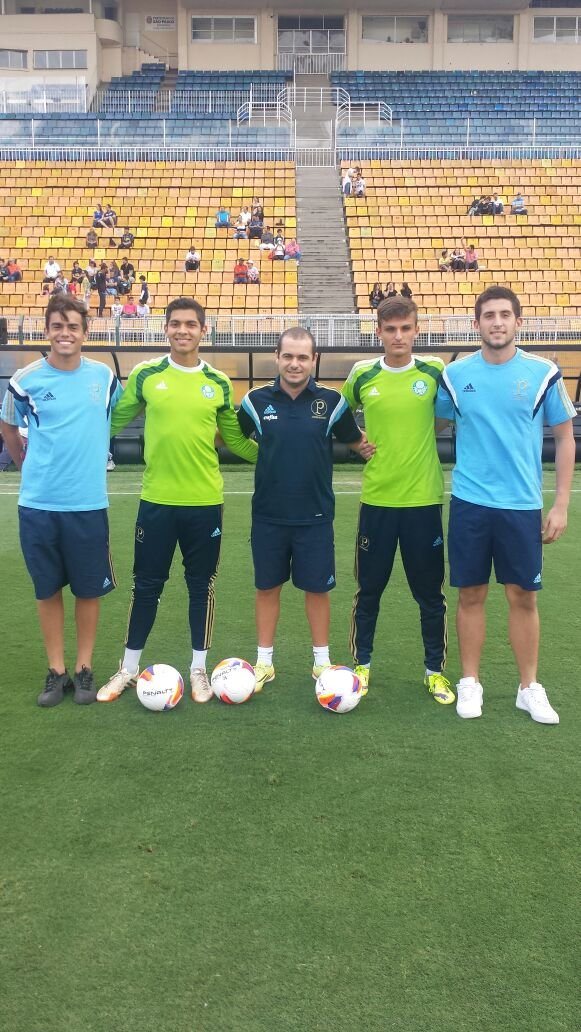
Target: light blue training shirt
{"points": [[499, 411], [69, 420]]}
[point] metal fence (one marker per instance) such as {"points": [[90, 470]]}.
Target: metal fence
{"points": [[342, 332], [182, 101]]}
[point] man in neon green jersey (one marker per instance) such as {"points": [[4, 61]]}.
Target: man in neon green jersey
{"points": [[185, 401], [403, 489]]}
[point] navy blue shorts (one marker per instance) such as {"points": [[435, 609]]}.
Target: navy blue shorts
{"points": [[62, 548], [306, 551], [479, 536]]}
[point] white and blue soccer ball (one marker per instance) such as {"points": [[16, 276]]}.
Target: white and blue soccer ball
{"points": [[160, 687], [233, 681], [339, 689]]}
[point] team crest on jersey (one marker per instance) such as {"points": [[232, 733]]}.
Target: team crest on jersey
{"points": [[420, 388], [208, 391], [94, 392], [319, 408], [520, 389]]}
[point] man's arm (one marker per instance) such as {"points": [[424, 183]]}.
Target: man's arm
{"points": [[127, 407], [233, 437], [555, 522], [13, 442]]}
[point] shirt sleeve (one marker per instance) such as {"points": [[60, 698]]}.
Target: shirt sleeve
{"points": [[445, 408], [342, 423], [248, 419], [15, 405], [233, 436], [127, 406], [556, 403], [347, 391]]}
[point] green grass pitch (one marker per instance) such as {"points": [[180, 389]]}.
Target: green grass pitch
{"points": [[274, 867]]}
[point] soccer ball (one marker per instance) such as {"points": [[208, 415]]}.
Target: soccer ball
{"points": [[160, 687], [339, 689], [233, 681]]}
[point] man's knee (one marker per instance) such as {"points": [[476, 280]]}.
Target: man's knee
{"points": [[473, 596], [520, 598]]}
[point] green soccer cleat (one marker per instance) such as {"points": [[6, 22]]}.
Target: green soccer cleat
{"points": [[439, 688], [362, 673], [264, 673], [318, 670]]}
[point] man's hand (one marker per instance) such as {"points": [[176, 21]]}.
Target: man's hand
{"points": [[363, 447], [555, 524]]}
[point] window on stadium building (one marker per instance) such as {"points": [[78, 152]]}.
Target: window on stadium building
{"points": [[50, 59], [13, 58], [480, 28], [557, 30], [394, 29], [311, 34], [224, 30]]}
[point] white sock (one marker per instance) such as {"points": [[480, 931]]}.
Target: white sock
{"points": [[430, 672], [264, 654], [321, 655], [131, 660], [199, 659], [467, 681]]}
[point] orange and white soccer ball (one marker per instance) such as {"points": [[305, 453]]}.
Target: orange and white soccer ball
{"points": [[160, 687], [233, 681], [339, 689]]}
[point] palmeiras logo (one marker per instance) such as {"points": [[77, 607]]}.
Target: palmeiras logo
{"points": [[208, 391], [419, 387], [319, 409]]}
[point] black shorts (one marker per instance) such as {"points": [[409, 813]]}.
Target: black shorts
{"points": [[63, 548], [305, 552], [479, 536]]}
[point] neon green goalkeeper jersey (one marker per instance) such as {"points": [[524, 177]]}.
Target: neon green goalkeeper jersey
{"points": [[183, 407], [398, 406]]}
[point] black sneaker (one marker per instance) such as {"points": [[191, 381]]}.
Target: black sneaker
{"points": [[84, 687], [55, 687]]}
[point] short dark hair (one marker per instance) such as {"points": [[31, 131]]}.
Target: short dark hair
{"points": [[296, 333], [63, 303], [142, 278], [497, 293], [180, 303], [396, 308]]}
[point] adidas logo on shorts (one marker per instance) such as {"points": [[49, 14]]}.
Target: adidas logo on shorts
{"points": [[216, 533]]}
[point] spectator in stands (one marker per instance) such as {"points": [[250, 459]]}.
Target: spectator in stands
{"points": [[127, 238], [116, 308], [474, 206], [92, 239], [240, 229], [485, 206], [101, 287], [346, 184], [72, 287], [143, 311], [92, 271], [252, 273], [458, 260], [59, 285], [98, 217], [110, 217], [240, 271], [244, 216], [127, 278], [222, 218], [471, 259], [277, 253], [255, 227], [129, 309], [113, 277], [497, 205], [86, 289], [14, 271], [192, 260], [3, 272], [518, 205], [267, 242], [406, 290], [376, 296], [359, 186], [444, 261], [143, 291], [77, 272], [257, 209], [51, 270], [390, 290], [292, 251]]}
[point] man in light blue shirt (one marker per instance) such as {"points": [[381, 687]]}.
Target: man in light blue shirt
{"points": [[499, 398], [67, 401]]}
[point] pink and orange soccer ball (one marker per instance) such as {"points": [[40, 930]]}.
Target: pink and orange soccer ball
{"points": [[339, 689], [233, 681], [160, 687]]}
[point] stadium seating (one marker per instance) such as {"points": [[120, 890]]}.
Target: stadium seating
{"points": [[46, 208], [413, 209], [435, 106]]}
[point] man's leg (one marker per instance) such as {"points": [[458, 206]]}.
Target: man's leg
{"points": [[524, 631], [86, 618], [51, 614], [471, 628], [318, 610], [271, 556], [200, 537], [377, 533], [267, 615]]}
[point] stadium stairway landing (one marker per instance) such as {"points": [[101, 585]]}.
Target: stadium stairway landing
{"points": [[325, 281]]}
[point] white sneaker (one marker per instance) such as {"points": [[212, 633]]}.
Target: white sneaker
{"points": [[200, 685], [533, 700], [469, 698], [117, 684]]}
